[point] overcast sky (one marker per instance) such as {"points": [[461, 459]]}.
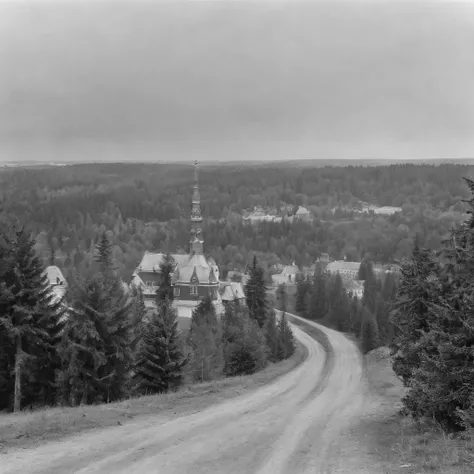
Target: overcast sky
{"points": [[236, 80]]}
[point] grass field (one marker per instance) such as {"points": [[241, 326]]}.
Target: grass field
{"points": [[19, 430], [397, 440]]}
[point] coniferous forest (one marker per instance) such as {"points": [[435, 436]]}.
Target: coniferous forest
{"points": [[99, 344]]}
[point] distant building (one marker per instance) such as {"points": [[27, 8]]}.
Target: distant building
{"points": [[387, 210], [356, 287], [232, 291], [287, 276], [344, 268], [303, 214]]}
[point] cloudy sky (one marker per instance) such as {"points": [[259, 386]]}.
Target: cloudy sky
{"points": [[229, 80]]}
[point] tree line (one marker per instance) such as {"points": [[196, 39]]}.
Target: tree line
{"points": [[146, 207], [98, 343], [433, 315], [323, 298]]}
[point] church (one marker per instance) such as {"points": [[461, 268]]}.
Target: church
{"points": [[194, 276]]}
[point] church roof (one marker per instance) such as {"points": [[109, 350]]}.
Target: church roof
{"points": [[196, 268], [151, 261]]}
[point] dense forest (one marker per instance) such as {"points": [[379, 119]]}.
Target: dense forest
{"points": [[99, 344], [146, 207]]}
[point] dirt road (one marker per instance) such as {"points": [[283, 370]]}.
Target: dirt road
{"points": [[289, 426]]}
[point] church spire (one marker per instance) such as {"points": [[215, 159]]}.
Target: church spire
{"points": [[196, 242]]}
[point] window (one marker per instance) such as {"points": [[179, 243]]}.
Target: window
{"points": [[193, 290], [176, 291]]}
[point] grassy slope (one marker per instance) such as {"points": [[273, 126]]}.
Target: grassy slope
{"points": [[396, 441], [29, 428]]}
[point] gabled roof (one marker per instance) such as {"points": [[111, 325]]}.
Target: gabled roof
{"points": [[341, 265], [302, 210], [151, 261]]}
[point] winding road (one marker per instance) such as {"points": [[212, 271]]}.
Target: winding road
{"points": [[289, 426]]}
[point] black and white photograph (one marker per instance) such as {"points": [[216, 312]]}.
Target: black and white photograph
{"points": [[237, 236]]}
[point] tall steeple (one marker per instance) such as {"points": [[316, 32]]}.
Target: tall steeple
{"points": [[196, 242]]}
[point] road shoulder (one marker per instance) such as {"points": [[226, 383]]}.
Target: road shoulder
{"points": [[29, 429]]}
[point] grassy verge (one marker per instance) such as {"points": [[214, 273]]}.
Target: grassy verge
{"points": [[20, 430], [404, 446]]}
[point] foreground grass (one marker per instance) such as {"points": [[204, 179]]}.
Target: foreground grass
{"points": [[28, 428], [404, 446]]}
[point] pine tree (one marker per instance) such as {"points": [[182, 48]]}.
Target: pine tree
{"points": [[272, 338], [165, 290], [369, 333], [281, 296], [29, 319], [370, 289], [205, 340], [286, 338], [411, 312], [301, 300], [138, 322], [256, 294], [247, 353], [442, 379], [96, 348], [319, 304], [160, 361]]}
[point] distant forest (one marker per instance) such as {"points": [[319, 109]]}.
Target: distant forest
{"points": [[147, 206]]}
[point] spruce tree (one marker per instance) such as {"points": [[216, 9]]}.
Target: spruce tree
{"points": [[369, 333], [282, 296], [319, 303], [138, 322], [442, 380], [160, 360], [247, 353], [96, 349], [205, 340], [410, 314], [370, 289], [272, 338], [29, 319], [256, 294], [165, 290], [286, 338], [301, 299]]}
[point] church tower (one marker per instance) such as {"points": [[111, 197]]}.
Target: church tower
{"points": [[196, 242]]}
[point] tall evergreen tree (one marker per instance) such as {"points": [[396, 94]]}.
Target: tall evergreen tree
{"points": [[411, 312], [369, 333], [96, 347], [301, 299], [282, 296], [205, 340], [256, 294], [272, 337], [370, 289], [29, 319], [160, 360], [247, 353], [442, 378], [286, 338], [139, 314], [165, 290], [319, 303]]}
